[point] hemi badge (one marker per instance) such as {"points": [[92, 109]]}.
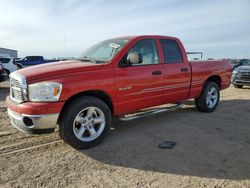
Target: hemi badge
{"points": [[125, 88]]}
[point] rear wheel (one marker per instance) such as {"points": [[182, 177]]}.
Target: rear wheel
{"points": [[238, 86], [85, 122], [209, 98]]}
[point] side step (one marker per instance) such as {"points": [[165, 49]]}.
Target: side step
{"points": [[145, 113]]}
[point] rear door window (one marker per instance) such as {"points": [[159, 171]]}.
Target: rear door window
{"points": [[171, 51]]}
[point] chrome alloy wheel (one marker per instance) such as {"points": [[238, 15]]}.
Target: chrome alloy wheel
{"points": [[89, 123], [212, 97]]}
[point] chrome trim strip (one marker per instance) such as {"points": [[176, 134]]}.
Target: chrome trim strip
{"points": [[161, 88], [148, 90], [196, 82]]}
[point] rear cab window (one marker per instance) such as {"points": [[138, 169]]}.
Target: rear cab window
{"points": [[171, 51]]}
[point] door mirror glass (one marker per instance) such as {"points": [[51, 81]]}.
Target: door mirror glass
{"points": [[134, 58]]}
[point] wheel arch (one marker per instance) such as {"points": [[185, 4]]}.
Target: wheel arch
{"points": [[93, 93], [216, 79]]}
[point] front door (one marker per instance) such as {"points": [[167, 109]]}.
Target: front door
{"points": [[139, 85]]}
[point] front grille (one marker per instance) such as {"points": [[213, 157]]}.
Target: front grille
{"points": [[243, 76], [16, 90]]}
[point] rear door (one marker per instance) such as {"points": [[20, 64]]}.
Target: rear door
{"points": [[138, 86], [176, 70], [33, 60]]}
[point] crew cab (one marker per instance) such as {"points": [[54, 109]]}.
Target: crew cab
{"points": [[31, 60], [112, 78]]}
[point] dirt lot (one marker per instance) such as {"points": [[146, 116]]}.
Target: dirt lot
{"points": [[213, 150]]}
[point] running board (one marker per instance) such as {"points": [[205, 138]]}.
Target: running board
{"points": [[140, 114]]}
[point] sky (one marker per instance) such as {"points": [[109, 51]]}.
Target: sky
{"points": [[59, 28]]}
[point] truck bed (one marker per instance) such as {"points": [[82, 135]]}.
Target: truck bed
{"points": [[201, 70]]}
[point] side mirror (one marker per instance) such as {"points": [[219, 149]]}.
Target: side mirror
{"points": [[134, 58]]}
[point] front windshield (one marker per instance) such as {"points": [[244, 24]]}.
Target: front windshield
{"points": [[104, 51], [246, 62]]}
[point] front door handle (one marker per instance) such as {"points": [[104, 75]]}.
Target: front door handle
{"points": [[156, 73], [184, 69]]}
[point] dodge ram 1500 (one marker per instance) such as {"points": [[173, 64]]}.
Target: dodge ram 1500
{"points": [[31, 61], [112, 78]]}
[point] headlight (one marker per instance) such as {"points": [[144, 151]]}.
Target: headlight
{"points": [[45, 91]]}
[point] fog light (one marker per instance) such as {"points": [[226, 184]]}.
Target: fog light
{"points": [[28, 121]]}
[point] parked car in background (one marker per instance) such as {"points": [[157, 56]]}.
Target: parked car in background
{"points": [[2, 76], [31, 60], [234, 62], [9, 65], [111, 79], [241, 62], [241, 75]]}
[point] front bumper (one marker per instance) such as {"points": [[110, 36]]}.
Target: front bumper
{"points": [[36, 124]]}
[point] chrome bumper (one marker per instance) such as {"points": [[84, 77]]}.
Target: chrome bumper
{"points": [[239, 80], [33, 123]]}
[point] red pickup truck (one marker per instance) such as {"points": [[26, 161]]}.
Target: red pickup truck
{"points": [[112, 78]]}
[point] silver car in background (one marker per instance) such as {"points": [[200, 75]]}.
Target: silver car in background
{"points": [[241, 76]]}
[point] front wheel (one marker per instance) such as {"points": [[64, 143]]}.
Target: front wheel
{"points": [[85, 122], [238, 86], [209, 98]]}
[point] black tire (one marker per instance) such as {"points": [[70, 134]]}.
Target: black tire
{"points": [[7, 73], [238, 86], [67, 121], [201, 101], [19, 66]]}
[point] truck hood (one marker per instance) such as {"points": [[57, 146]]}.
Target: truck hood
{"points": [[57, 69], [244, 68]]}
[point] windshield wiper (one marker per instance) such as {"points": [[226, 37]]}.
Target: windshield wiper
{"points": [[85, 58]]}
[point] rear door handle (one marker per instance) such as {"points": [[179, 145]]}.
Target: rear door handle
{"points": [[156, 73], [184, 69]]}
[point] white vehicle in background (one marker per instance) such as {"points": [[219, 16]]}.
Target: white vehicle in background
{"points": [[8, 64]]}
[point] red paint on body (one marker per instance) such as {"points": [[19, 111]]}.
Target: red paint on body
{"points": [[145, 89]]}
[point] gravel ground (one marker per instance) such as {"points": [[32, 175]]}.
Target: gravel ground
{"points": [[212, 151]]}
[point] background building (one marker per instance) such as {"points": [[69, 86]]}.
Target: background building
{"points": [[6, 52]]}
